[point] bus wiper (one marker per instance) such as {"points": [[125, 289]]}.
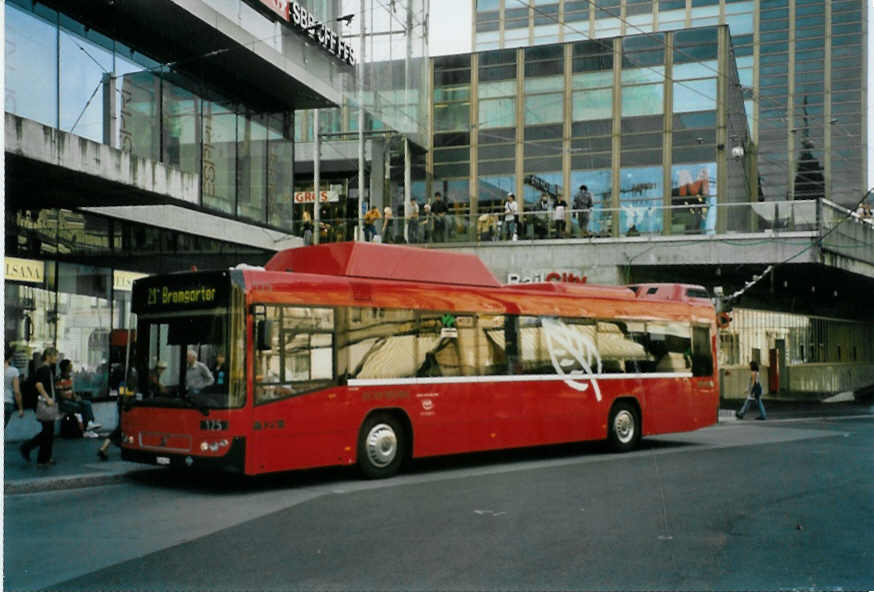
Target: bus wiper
{"points": [[187, 398]]}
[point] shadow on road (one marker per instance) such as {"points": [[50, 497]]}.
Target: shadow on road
{"points": [[232, 484]]}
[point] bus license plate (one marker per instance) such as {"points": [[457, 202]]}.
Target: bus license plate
{"points": [[162, 460]]}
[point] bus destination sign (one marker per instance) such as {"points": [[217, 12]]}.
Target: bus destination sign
{"points": [[164, 295], [180, 292]]}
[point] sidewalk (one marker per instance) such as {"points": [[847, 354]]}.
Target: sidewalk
{"points": [[78, 465]]}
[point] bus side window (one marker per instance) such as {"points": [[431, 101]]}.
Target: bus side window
{"points": [[702, 357]]}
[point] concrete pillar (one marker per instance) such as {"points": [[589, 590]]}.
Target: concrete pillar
{"points": [[317, 157], [377, 173]]}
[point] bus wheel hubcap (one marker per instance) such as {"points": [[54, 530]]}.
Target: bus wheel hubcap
{"points": [[382, 445], [623, 425]]}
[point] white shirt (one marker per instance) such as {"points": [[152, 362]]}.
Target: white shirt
{"points": [[9, 375], [510, 209]]}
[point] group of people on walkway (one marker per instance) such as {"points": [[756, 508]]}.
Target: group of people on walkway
{"points": [[432, 222], [425, 223], [550, 217], [52, 382]]}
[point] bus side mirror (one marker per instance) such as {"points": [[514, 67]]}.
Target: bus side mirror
{"points": [[264, 335]]}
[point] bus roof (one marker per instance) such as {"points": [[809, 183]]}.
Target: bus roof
{"points": [[386, 262]]}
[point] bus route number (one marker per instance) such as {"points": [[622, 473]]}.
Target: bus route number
{"points": [[154, 294], [213, 425]]}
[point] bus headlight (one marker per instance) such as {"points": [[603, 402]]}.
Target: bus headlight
{"points": [[213, 446]]}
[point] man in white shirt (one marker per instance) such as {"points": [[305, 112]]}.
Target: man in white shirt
{"points": [[197, 375], [511, 209]]}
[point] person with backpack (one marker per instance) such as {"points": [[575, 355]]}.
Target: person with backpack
{"points": [[754, 393], [11, 389]]}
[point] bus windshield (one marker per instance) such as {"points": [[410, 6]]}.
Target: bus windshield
{"points": [[183, 360]]}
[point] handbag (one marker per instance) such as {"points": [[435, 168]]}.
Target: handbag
{"points": [[44, 411]]}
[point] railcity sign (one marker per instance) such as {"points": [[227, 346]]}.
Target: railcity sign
{"points": [[306, 22]]}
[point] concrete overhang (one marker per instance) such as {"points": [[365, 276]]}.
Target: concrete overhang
{"points": [[205, 44], [48, 168]]}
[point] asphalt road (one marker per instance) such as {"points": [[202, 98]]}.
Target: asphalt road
{"points": [[747, 506]]}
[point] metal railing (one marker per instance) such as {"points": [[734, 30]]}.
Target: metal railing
{"points": [[847, 233], [706, 219]]}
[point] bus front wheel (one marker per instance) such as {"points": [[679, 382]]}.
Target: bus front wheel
{"points": [[624, 427], [381, 446]]}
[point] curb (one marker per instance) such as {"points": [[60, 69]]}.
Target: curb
{"points": [[67, 482]]}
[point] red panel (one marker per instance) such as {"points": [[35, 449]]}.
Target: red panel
{"points": [[392, 262]]}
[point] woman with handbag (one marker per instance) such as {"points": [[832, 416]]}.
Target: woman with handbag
{"points": [[46, 411]]}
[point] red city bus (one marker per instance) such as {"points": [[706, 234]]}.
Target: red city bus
{"points": [[373, 354]]}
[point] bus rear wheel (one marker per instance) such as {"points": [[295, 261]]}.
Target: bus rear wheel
{"points": [[381, 446], [624, 427]]}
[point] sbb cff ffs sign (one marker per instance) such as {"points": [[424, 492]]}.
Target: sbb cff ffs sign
{"points": [[306, 22]]}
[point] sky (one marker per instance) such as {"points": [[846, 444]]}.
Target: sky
{"points": [[450, 27]]}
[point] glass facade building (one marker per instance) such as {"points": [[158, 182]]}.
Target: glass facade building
{"points": [[801, 69], [208, 92], [646, 122], [100, 89]]}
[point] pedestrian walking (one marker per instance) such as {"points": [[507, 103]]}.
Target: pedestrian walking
{"points": [[115, 436], [754, 393], [11, 388], [45, 387]]}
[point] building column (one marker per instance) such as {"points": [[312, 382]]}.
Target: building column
{"points": [[473, 155], [668, 138], [616, 156], [317, 157], [408, 190]]}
